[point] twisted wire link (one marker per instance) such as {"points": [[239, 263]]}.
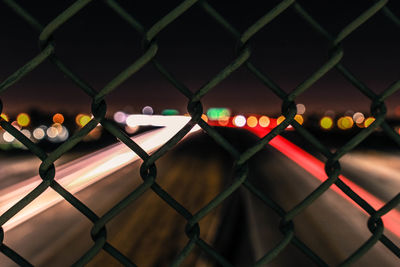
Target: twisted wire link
{"points": [[47, 171], [378, 108], [148, 169], [332, 166]]}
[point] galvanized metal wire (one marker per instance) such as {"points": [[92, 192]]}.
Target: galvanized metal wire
{"points": [[148, 168]]}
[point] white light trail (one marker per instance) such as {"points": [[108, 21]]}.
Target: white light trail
{"points": [[82, 172]]}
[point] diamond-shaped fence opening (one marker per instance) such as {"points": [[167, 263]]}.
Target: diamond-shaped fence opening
{"points": [[194, 218]]}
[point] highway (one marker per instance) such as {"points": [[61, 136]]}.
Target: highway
{"points": [[53, 233]]}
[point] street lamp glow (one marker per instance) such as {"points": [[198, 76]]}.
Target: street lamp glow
{"points": [[147, 110], [52, 132], [299, 119], [8, 137], [239, 121], [120, 117], [252, 121], [326, 123], [26, 132], [345, 123], [280, 119], [58, 118], [300, 109], [368, 121], [39, 133], [264, 121], [23, 119]]}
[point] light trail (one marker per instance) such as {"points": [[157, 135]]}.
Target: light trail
{"points": [[80, 173], [317, 169]]}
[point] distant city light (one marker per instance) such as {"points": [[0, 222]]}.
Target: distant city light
{"points": [[120, 116], [147, 110], [264, 121], [216, 113], [39, 133], [62, 134], [280, 119], [8, 137], [82, 119], [23, 119], [368, 121], [26, 132], [299, 119], [131, 130], [300, 109], [358, 118], [326, 123], [58, 118], [204, 117], [52, 132], [16, 125], [239, 121], [345, 123], [169, 112], [77, 118], [223, 121], [4, 117], [252, 121]]}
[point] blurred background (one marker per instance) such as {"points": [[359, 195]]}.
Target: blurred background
{"points": [[97, 44]]}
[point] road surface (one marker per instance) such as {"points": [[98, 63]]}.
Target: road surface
{"points": [[243, 229]]}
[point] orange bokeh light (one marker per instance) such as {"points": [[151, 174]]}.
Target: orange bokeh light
{"points": [[204, 117], [252, 121], [58, 118], [264, 121]]}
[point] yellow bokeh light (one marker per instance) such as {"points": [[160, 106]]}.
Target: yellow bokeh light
{"points": [[84, 119], [252, 121], [77, 118], [58, 118], [368, 121], [204, 117], [345, 123], [23, 119], [264, 121], [299, 119], [326, 123], [280, 119], [4, 117]]}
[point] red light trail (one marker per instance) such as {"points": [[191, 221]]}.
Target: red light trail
{"points": [[316, 168]]}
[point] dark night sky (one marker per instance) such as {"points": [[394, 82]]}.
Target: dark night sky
{"points": [[97, 45]]}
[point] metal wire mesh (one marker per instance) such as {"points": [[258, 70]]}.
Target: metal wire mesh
{"points": [[194, 107]]}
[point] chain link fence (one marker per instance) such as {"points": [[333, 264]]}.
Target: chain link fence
{"points": [[194, 107]]}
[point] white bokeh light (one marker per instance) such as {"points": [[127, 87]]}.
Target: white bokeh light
{"points": [[26, 132], [147, 110], [8, 137], [52, 132], [120, 116], [39, 133], [239, 121]]}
